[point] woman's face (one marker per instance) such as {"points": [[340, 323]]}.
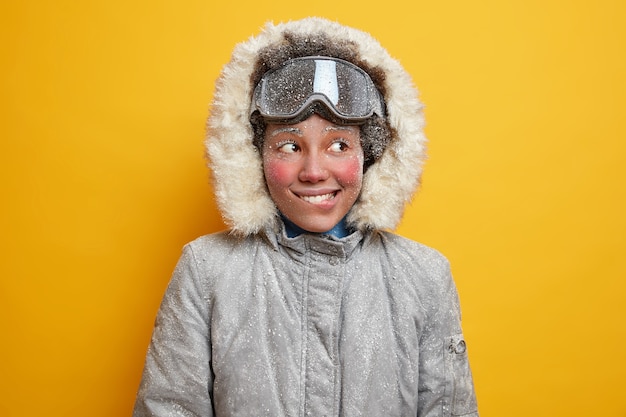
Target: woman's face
{"points": [[314, 171]]}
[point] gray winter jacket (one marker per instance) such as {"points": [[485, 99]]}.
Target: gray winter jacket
{"points": [[308, 326], [258, 324]]}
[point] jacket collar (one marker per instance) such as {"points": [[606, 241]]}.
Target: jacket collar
{"points": [[341, 247]]}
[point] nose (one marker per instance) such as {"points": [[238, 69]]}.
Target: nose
{"points": [[313, 169]]}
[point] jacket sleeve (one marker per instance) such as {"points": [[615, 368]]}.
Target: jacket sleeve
{"points": [[446, 387], [177, 378]]}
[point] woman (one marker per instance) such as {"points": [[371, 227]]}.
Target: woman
{"points": [[307, 305]]}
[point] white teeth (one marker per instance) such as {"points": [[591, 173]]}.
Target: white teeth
{"points": [[316, 199]]}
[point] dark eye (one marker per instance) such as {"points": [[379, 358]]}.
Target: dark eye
{"points": [[338, 147], [288, 147]]}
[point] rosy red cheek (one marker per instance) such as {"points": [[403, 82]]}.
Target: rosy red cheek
{"points": [[351, 171], [277, 173]]}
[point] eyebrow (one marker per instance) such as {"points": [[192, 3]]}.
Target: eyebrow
{"points": [[288, 129], [338, 127], [298, 132]]}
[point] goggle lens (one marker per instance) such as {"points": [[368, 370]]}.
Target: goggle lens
{"points": [[344, 88]]}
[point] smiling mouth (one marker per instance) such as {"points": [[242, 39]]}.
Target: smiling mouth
{"points": [[317, 199]]}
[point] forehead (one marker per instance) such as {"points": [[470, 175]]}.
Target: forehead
{"points": [[301, 129], [312, 125]]}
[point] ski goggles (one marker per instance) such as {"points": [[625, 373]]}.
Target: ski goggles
{"points": [[285, 93]]}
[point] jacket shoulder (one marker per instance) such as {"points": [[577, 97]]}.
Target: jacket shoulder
{"points": [[412, 253], [425, 271], [214, 255], [223, 243], [214, 241]]}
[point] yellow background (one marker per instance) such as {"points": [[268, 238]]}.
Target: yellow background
{"points": [[103, 181]]}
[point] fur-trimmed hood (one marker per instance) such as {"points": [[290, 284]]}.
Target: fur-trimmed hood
{"points": [[236, 165]]}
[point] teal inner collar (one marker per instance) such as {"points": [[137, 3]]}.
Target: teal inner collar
{"points": [[340, 230]]}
